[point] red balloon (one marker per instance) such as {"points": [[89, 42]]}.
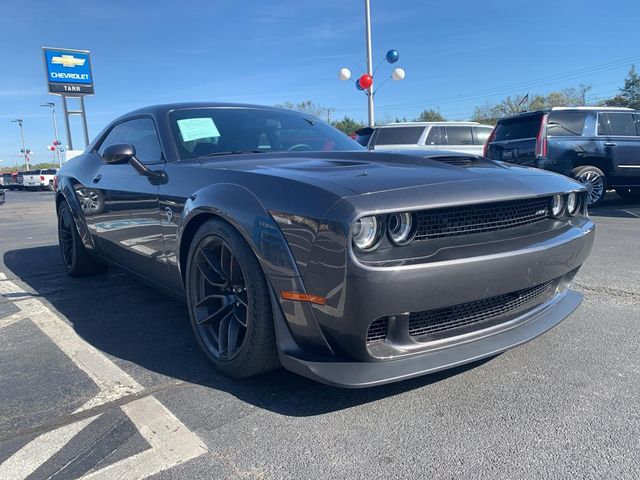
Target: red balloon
{"points": [[366, 81]]}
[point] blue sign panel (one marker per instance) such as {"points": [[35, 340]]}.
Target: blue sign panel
{"points": [[68, 71]]}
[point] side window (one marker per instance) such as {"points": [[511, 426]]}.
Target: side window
{"points": [[441, 136], [481, 135], [141, 133], [431, 136], [622, 124], [565, 124], [459, 136], [399, 135], [603, 124]]}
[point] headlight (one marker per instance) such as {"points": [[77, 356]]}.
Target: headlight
{"points": [[557, 207], [573, 203], [400, 227], [366, 233]]}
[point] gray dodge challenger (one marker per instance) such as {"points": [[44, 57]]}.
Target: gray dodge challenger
{"points": [[292, 245]]}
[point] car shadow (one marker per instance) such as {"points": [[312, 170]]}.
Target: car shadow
{"points": [[132, 322], [615, 206]]}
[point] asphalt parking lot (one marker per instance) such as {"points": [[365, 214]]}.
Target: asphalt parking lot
{"points": [[100, 377]]}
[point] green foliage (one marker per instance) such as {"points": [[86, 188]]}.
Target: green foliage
{"points": [[569, 97], [629, 94], [348, 125], [430, 115]]}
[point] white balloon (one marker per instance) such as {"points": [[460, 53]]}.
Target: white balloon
{"points": [[398, 74], [344, 74]]}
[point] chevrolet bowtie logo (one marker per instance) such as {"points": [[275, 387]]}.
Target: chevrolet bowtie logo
{"points": [[68, 61]]}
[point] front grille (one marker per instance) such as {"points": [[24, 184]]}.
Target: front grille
{"points": [[489, 217], [501, 306], [377, 330]]}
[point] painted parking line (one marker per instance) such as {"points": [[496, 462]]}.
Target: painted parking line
{"points": [[170, 441]]}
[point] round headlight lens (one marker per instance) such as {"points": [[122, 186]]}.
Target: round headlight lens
{"points": [[572, 203], [400, 227], [366, 233], [557, 208]]}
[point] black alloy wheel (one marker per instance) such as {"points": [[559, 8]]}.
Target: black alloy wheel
{"points": [[75, 258], [229, 302]]}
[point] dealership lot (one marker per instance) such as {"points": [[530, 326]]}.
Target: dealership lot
{"points": [[101, 377]]}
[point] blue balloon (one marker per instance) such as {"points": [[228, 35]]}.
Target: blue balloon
{"points": [[358, 84], [393, 56]]}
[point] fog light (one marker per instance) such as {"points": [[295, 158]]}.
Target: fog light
{"points": [[557, 207]]}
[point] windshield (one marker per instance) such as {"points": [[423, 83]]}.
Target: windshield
{"points": [[525, 126], [219, 131]]}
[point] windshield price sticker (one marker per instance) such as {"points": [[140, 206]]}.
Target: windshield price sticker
{"points": [[197, 128]]}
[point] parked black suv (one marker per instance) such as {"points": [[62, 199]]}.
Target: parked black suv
{"points": [[599, 146]]}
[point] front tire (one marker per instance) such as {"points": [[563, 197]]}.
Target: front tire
{"points": [[229, 302], [75, 258], [596, 182]]}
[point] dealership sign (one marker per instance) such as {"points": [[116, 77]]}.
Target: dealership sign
{"points": [[68, 71]]}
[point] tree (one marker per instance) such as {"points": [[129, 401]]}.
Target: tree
{"points": [[348, 125], [629, 94], [430, 115], [568, 97]]}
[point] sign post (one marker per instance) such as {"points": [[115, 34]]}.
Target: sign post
{"points": [[69, 75]]}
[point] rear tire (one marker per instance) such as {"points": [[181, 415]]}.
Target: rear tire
{"points": [[229, 302], [75, 258], [596, 182], [629, 193]]}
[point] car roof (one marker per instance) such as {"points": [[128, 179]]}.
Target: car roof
{"points": [[568, 109], [427, 124], [164, 108]]}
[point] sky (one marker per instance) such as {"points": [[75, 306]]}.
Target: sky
{"points": [[456, 54]]}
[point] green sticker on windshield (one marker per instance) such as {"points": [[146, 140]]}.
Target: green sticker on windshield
{"points": [[196, 128]]}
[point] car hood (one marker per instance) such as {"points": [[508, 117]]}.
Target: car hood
{"points": [[366, 172]]}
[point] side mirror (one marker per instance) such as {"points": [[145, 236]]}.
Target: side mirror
{"points": [[118, 153]]}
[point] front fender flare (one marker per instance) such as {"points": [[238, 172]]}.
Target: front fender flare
{"points": [[241, 208], [66, 192]]}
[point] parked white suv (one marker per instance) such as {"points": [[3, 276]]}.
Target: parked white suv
{"points": [[465, 137], [39, 179]]}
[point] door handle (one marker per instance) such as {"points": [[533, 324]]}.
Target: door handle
{"points": [[609, 144], [97, 178]]}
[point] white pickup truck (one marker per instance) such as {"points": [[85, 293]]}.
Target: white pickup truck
{"points": [[39, 179]]}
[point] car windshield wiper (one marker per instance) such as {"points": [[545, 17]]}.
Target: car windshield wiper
{"points": [[556, 124], [234, 152]]}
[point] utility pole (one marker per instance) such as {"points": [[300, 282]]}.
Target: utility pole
{"points": [[367, 16], [23, 151], [52, 106]]}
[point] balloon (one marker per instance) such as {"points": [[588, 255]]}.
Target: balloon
{"points": [[344, 74], [392, 56], [52, 148], [366, 81], [358, 84], [398, 74]]}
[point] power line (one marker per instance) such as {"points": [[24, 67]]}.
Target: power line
{"points": [[542, 81]]}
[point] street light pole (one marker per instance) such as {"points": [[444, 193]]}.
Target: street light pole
{"points": [[24, 151], [52, 106], [367, 15]]}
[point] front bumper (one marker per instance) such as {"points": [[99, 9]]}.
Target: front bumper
{"points": [[368, 374], [357, 294]]}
